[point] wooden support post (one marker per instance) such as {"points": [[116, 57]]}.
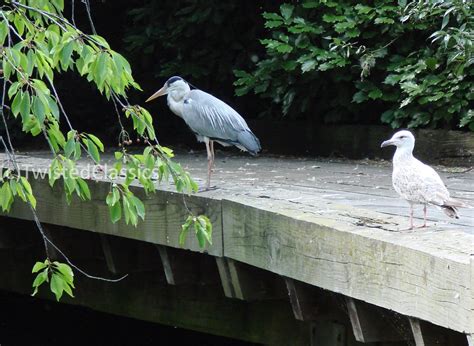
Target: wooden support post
{"points": [[124, 255], [182, 266], [417, 333], [108, 254], [371, 323], [303, 299], [244, 282], [470, 339]]}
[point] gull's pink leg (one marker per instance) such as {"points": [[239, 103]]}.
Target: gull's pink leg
{"points": [[424, 216], [411, 216]]}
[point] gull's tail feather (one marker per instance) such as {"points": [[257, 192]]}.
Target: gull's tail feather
{"points": [[450, 211], [451, 205]]}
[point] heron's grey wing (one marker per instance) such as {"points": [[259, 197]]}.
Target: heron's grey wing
{"points": [[210, 117]]}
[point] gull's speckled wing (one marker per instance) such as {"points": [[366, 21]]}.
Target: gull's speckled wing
{"points": [[419, 183]]}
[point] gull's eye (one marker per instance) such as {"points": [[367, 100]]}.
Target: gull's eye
{"points": [[401, 137]]}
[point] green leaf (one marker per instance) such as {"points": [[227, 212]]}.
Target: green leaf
{"points": [[6, 197], [86, 193], [445, 21], [66, 271], [286, 10], [66, 53], [118, 155], [57, 285], [39, 266], [185, 229], [39, 280], [92, 150], [25, 105], [16, 104], [115, 212], [139, 206], [3, 31], [96, 141], [70, 147]]}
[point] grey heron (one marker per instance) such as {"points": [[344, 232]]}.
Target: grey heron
{"points": [[211, 119], [416, 182]]}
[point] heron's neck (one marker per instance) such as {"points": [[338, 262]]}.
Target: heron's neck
{"points": [[402, 154], [175, 100]]}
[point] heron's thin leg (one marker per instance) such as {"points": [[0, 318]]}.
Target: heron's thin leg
{"points": [[209, 164], [212, 153], [424, 216]]}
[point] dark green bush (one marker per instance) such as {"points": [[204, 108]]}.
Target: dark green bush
{"points": [[200, 40], [409, 64]]}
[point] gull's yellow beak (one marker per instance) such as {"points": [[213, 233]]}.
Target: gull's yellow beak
{"points": [[161, 92]]}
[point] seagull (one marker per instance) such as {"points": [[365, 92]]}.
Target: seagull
{"points": [[211, 119], [416, 182]]}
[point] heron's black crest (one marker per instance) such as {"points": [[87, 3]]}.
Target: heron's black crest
{"points": [[172, 80]]}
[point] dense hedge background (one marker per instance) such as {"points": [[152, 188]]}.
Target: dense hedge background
{"points": [[400, 63]]}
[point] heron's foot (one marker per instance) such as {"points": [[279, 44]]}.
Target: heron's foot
{"points": [[422, 226]]}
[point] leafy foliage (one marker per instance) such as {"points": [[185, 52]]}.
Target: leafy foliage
{"points": [[36, 43], [333, 57], [59, 276], [202, 227], [187, 38]]}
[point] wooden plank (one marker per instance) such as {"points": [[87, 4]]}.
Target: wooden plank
{"points": [[470, 339], [417, 332], [379, 267], [372, 324], [165, 214]]}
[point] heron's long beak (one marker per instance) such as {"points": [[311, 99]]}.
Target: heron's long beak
{"points": [[387, 143], [161, 92]]}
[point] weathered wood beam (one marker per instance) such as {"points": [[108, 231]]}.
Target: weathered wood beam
{"points": [[165, 214], [303, 300], [417, 332], [378, 267], [371, 323], [244, 282]]}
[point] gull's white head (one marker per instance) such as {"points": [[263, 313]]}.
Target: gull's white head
{"points": [[175, 86], [402, 140]]}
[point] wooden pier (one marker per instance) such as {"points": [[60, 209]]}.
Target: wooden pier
{"points": [[302, 248]]}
